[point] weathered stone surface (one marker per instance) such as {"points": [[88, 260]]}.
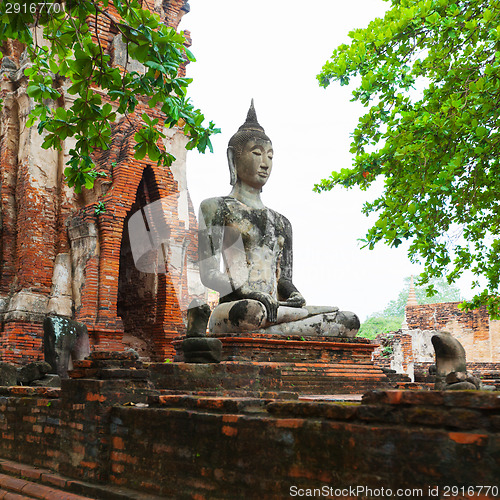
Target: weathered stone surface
{"points": [[120, 54], [128, 355], [49, 380], [313, 410], [64, 339], [454, 377], [451, 370], [296, 440], [197, 318], [61, 295], [26, 306], [202, 350], [121, 373], [450, 355], [256, 288], [461, 386], [83, 237], [8, 374], [33, 371], [111, 365]]}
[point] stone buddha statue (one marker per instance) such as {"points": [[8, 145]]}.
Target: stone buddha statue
{"points": [[245, 253]]}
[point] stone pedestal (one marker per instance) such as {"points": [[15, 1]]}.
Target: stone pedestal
{"points": [[270, 363]]}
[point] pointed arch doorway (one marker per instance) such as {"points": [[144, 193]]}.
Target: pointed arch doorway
{"points": [[140, 282]]}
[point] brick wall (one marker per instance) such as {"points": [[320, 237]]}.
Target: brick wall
{"points": [[479, 335], [227, 447], [37, 210], [239, 449], [21, 341], [30, 425]]}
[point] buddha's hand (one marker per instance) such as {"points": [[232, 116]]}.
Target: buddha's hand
{"points": [[295, 300], [270, 304]]}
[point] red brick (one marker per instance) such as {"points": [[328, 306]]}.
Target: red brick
{"points": [[12, 483], [54, 480], [12, 496]]}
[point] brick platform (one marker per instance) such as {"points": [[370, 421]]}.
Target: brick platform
{"points": [[261, 363], [120, 431], [293, 348], [302, 378]]}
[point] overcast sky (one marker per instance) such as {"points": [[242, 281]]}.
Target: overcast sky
{"points": [[272, 50]]}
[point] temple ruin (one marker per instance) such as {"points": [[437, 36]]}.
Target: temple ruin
{"points": [[70, 254], [267, 422]]}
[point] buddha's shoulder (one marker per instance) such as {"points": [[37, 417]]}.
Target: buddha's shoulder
{"points": [[216, 208], [216, 203], [279, 217]]}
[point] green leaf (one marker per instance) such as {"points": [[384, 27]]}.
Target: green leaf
{"points": [[190, 55], [141, 151], [481, 132]]}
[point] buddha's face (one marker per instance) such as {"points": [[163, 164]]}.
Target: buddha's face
{"points": [[255, 162]]}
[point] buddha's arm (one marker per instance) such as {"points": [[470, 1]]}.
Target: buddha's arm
{"points": [[210, 238], [286, 289]]}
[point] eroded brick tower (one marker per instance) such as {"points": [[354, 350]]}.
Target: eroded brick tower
{"points": [[59, 255]]}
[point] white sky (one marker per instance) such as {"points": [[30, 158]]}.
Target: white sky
{"points": [[272, 50]]}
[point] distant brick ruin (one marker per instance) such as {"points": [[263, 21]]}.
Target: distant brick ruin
{"points": [[479, 335], [412, 351], [59, 255]]}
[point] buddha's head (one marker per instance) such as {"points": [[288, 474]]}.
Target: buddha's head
{"points": [[250, 153]]}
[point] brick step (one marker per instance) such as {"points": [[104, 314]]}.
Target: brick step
{"points": [[13, 488], [18, 481]]}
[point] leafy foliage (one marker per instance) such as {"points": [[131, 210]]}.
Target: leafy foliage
{"points": [[100, 208], [436, 149], [377, 324], [73, 51], [391, 318]]}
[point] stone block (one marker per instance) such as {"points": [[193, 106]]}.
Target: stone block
{"points": [[26, 306], [202, 350], [33, 371], [454, 377], [8, 374], [461, 386], [197, 318], [49, 380], [64, 338]]}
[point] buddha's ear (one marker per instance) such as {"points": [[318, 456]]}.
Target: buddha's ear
{"points": [[232, 166]]}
